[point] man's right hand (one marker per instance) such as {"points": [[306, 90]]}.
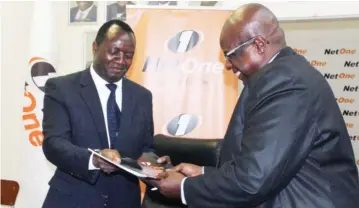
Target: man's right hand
{"points": [[188, 169], [105, 166]]}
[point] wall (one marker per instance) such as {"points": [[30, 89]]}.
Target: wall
{"points": [[14, 58]]}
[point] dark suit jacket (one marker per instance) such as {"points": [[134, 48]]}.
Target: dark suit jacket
{"points": [[286, 146], [113, 10], [73, 121], [91, 16]]}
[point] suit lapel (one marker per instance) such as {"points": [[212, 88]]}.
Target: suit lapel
{"points": [[89, 94]]}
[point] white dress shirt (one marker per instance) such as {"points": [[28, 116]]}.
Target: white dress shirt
{"points": [[104, 93], [81, 15], [183, 199]]}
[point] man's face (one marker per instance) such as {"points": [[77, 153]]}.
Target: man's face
{"points": [[114, 56], [83, 5], [243, 57]]}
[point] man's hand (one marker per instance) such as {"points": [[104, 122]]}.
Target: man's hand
{"points": [[112, 155], [164, 160], [188, 170], [105, 166], [170, 184]]}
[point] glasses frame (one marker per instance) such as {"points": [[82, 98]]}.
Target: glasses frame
{"points": [[234, 50]]}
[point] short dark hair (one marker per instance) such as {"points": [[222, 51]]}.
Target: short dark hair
{"points": [[101, 34]]}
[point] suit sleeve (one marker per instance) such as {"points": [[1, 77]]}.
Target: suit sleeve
{"points": [[208, 169], [277, 138], [149, 129], [57, 145]]}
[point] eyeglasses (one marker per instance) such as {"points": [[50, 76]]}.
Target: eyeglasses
{"points": [[229, 55]]}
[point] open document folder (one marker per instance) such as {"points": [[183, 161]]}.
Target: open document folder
{"points": [[131, 166]]}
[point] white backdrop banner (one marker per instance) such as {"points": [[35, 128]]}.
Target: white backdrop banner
{"points": [[335, 53], [35, 170]]}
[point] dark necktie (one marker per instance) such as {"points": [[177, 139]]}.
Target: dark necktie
{"points": [[113, 115]]}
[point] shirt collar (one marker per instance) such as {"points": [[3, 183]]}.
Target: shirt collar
{"points": [[273, 58], [88, 9], [99, 82]]}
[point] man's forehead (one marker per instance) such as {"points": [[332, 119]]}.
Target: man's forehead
{"points": [[230, 35]]}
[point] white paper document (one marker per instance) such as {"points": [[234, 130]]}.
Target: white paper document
{"points": [[144, 172]]}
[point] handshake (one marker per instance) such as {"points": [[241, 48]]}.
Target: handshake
{"points": [[168, 182]]}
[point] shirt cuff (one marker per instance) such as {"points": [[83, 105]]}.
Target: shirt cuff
{"points": [[91, 166], [202, 170], [183, 199]]}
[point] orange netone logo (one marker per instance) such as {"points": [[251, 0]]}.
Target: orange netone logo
{"points": [[40, 70], [33, 125]]}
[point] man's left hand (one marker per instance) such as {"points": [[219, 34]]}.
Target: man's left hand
{"points": [[170, 184]]}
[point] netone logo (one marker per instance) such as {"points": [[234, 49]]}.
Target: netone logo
{"points": [[300, 51], [182, 124], [339, 76], [350, 88], [339, 51], [182, 42], [349, 125], [345, 100], [41, 71], [351, 64], [318, 63], [350, 113]]}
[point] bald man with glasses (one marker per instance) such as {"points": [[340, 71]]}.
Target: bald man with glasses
{"points": [[286, 145]]}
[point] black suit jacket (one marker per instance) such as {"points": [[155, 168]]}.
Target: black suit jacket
{"points": [[286, 146], [73, 121], [91, 16]]}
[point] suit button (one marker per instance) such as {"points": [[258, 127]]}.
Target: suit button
{"points": [[104, 205]]}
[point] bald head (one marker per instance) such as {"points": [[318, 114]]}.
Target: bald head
{"points": [[250, 37], [253, 20]]}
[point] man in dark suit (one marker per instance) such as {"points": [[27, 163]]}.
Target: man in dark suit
{"points": [[287, 144], [117, 10], [86, 11], [100, 109]]}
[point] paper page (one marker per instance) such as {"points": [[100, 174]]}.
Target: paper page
{"points": [[146, 172]]}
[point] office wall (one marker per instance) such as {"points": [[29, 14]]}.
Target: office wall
{"points": [[15, 27]]}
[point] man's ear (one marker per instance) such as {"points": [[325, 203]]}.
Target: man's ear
{"points": [[95, 48], [261, 45]]}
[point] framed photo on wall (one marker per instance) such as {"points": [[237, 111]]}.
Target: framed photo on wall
{"points": [[89, 37], [162, 3], [205, 3], [116, 10], [83, 12]]}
